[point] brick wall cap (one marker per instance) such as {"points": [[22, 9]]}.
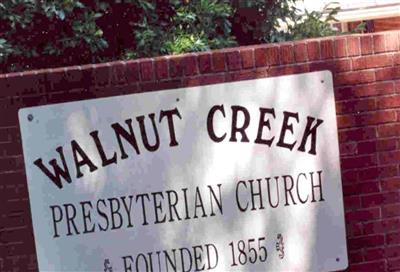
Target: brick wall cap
{"points": [[223, 50]]}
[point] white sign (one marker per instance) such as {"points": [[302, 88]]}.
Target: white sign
{"points": [[240, 176]]}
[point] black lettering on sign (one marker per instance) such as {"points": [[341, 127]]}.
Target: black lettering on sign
{"points": [[265, 133], [123, 133], [58, 171]]}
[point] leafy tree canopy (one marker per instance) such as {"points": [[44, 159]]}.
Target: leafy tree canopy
{"points": [[52, 33]]}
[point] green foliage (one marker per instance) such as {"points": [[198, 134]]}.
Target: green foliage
{"points": [[313, 24], [48, 33], [261, 19], [194, 26], [5, 49], [33, 28], [71, 32]]}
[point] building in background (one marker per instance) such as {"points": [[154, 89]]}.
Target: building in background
{"points": [[378, 15]]}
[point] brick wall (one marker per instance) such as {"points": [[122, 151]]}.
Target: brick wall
{"points": [[366, 71]]}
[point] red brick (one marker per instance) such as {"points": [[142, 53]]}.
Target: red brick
{"points": [[218, 61], [367, 46], [340, 47], [363, 215], [118, 74], [353, 46], [342, 65], [356, 256], [288, 70], [240, 75], [393, 264], [10, 149], [366, 241], [16, 252], [18, 191], [109, 91], [327, 49], [388, 73], [357, 134], [373, 89], [392, 41], [204, 60], [15, 234], [260, 56], [75, 77], [313, 50], [381, 226], [379, 43], [75, 95], [286, 54], [368, 118], [233, 60], [13, 178], [161, 67], [23, 262], [211, 79], [373, 146], [393, 238], [380, 199], [393, 252], [189, 65], [388, 171], [358, 162], [352, 106], [354, 229], [386, 144], [373, 254], [368, 174], [11, 112], [31, 82], [352, 202], [389, 130], [351, 78], [11, 163], [373, 61], [377, 172], [389, 157], [35, 100], [262, 72], [176, 66], [393, 209], [366, 147], [368, 266], [391, 184], [388, 102], [132, 71], [191, 81], [377, 117], [7, 90], [247, 56], [272, 53], [347, 149], [361, 188], [349, 176], [146, 70], [160, 85], [300, 52]]}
